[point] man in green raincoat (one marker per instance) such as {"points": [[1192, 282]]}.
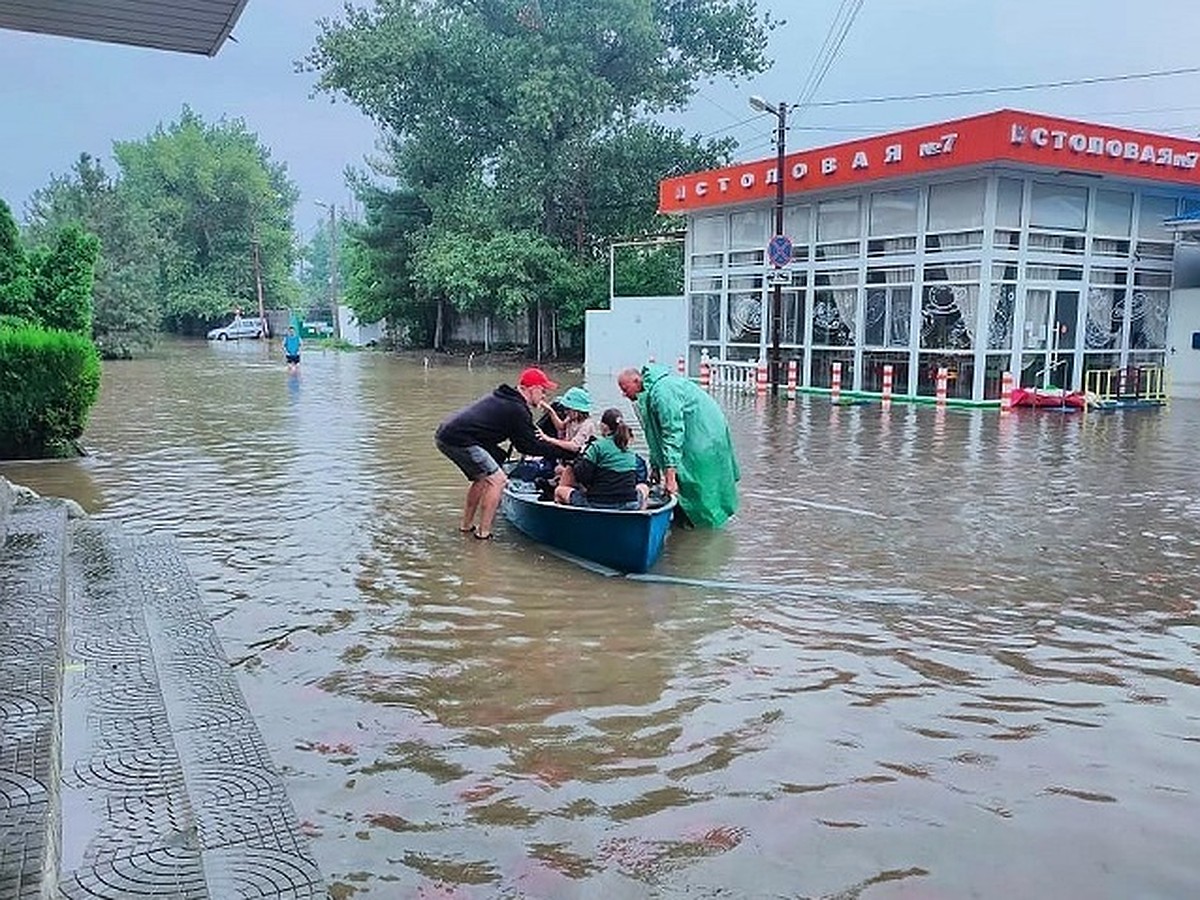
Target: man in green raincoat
{"points": [[689, 442]]}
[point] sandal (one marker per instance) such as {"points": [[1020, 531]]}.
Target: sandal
{"points": [[484, 537], [469, 530]]}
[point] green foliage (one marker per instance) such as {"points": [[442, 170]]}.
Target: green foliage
{"points": [[16, 283], [379, 260], [48, 383], [517, 126], [126, 312], [62, 280], [648, 270], [210, 193]]}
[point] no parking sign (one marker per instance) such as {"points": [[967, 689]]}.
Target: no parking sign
{"points": [[779, 251]]}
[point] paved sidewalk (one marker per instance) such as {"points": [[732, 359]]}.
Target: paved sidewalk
{"points": [[129, 762]]}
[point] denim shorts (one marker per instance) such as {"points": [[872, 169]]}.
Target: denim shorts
{"points": [[474, 462]]}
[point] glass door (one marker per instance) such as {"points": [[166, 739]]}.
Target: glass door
{"points": [[1050, 337]]}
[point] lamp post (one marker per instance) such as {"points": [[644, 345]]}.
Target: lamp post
{"points": [[780, 113], [333, 265]]}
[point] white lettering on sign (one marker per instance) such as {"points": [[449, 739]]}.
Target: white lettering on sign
{"points": [[799, 170], [701, 188], [828, 165], [772, 176], [939, 147], [747, 180], [723, 184], [1040, 137], [893, 153], [681, 192], [860, 160]]}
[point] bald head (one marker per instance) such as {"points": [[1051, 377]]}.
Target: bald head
{"points": [[630, 383]]}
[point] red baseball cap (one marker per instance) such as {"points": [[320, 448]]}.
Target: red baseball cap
{"points": [[533, 377]]}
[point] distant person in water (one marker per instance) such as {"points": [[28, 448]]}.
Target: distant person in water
{"points": [[689, 441], [291, 349], [471, 439]]}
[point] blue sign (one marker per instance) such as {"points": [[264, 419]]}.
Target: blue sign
{"points": [[779, 251]]}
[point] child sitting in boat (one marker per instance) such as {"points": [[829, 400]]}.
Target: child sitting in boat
{"points": [[576, 425], [605, 474]]}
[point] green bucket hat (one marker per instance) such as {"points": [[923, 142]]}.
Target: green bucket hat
{"points": [[578, 399]]}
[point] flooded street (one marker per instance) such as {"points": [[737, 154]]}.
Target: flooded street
{"points": [[936, 655]]}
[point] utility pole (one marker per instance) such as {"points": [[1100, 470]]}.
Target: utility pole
{"points": [[333, 270], [777, 296], [333, 265], [262, 312], [779, 241]]}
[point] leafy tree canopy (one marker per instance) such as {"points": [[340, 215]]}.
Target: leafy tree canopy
{"points": [[211, 192], [16, 284], [126, 311], [521, 125]]}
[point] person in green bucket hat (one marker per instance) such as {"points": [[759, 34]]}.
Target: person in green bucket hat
{"points": [[576, 426]]}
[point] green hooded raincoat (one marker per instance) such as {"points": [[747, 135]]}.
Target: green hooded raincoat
{"points": [[686, 429]]}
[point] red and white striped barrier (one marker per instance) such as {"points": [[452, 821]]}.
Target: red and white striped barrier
{"points": [[760, 378], [681, 365], [835, 386], [705, 375], [943, 380], [1006, 392], [793, 373], [887, 385]]}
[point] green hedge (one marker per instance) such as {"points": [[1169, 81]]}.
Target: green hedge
{"points": [[48, 383]]}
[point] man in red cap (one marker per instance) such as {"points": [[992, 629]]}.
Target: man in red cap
{"points": [[471, 439]]}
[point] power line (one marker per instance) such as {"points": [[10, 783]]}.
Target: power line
{"points": [[970, 92], [847, 13]]}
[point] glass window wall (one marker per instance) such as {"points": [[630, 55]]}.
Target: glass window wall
{"points": [[949, 305], [887, 312], [1059, 207], [956, 205], [835, 298]]}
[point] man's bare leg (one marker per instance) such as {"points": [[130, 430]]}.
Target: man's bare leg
{"points": [[489, 501], [474, 494]]}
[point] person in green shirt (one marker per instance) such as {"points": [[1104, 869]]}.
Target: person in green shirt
{"points": [[605, 474], [689, 442]]}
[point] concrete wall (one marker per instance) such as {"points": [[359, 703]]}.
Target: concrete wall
{"points": [[7, 498], [632, 331], [1183, 363], [356, 333]]}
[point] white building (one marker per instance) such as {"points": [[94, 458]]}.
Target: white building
{"points": [[1008, 241]]}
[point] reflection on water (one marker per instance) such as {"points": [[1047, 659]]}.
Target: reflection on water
{"points": [[933, 651]]}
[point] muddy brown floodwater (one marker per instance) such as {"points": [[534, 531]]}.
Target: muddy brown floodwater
{"points": [[936, 655]]}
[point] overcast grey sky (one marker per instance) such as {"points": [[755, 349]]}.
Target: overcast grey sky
{"points": [[60, 97]]}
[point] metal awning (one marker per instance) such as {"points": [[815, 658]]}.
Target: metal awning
{"points": [[186, 26]]}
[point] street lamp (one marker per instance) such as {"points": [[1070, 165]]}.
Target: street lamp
{"points": [[780, 114], [333, 265]]}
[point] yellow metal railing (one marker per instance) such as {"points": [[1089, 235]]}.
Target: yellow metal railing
{"points": [[1147, 383]]}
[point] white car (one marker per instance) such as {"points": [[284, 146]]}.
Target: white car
{"points": [[241, 327]]}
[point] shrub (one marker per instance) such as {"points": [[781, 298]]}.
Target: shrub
{"points": [[48, 383]]}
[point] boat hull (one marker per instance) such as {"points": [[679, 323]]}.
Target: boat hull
{"points": [[626, 540]]}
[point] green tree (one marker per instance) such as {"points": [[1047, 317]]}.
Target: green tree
{"points": [[63, 275], [16, 285], [211, 193], [379, 261], [537, 104], [126, 313]]}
